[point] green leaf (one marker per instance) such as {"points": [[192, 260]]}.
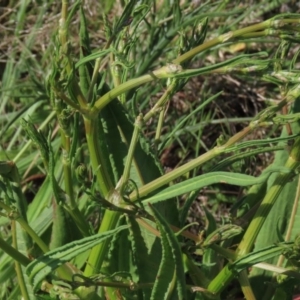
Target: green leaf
{"points": [[62, 219], [124, 19], [37, 138], [211, 259], [171, 264], [112, 141], [22, 244], [46, 264], [258, 256], [146, 261], [92, 57], [208, 179]]}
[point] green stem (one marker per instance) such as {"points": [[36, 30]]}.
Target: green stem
{"points": [[13, 253], [98, 253], [228, 254], [62, 96], [33, 234], [115, 70], [272, 23], [137, 128], [134, 140], [94, 79], [161, 102], [166, 72], [245, 284], [98, 162], [167, 178], [160, 123]]}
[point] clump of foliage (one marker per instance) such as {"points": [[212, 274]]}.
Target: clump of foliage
{"points": [[106, 221]]}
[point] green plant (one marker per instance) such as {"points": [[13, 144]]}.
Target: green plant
{"points": [[99, 163]]}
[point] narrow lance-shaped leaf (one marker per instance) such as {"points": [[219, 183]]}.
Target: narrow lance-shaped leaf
{"points": [[210, 257], [38, 139], [46, 264], [172, 259], [125, 19], [208, 179], [147, 266], [258, 256]]}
